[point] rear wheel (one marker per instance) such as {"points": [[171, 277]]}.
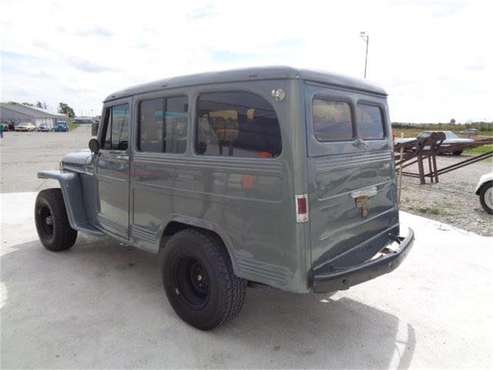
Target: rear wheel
{"points": [[52, 224], [457, 152], [486, 197], [199, 281]]}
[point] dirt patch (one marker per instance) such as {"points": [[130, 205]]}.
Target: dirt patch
{"points": [[452, 200]]}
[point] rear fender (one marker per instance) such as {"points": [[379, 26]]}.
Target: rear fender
{"points": [[203, 224]]}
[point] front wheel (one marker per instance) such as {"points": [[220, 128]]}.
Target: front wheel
{"points": [[52, 224], [486, 197], [199, 281]]}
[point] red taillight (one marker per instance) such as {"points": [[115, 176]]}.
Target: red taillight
{"points": [[301, 208]]}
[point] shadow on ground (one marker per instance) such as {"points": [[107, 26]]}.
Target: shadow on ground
{"points": [[102, 305]]}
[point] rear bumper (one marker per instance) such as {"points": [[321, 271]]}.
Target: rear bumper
{"points": [[332, 278]]}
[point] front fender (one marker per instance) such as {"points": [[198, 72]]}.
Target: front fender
{"points": [[71, 186]]}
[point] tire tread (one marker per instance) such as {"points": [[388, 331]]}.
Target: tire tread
{"points": [[233, 287], [65, 236]]}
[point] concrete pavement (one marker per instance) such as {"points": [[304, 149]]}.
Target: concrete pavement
{"points": [[101, 305]]}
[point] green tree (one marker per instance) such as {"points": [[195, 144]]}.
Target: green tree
{"points": [[66, 109], [41, 105]]}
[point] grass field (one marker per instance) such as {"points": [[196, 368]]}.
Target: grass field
{"points": [[413, 132], [479, 150]]}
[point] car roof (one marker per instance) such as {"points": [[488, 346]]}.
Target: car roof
{"points": [[249, 74]]}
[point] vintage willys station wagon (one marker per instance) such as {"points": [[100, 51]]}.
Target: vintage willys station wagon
{"points": [[265, 176]]}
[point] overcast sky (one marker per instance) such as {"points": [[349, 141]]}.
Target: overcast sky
{"points": [[434, 58]]}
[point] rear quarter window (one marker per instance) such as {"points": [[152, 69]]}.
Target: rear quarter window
{"points": [[370, 122], [237, 124]]}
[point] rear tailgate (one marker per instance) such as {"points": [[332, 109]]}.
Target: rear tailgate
{"points": [[352, 190]]}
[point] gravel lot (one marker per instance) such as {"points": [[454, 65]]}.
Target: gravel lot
{"points": [[452, 200], [23, 154]]}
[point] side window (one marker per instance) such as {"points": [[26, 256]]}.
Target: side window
{"points": [[151, 125], [332, 120], [119, 127], [163, 125], [237, 124], [370, 122], [115, 134]]}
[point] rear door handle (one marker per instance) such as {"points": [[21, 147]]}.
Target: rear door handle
{"points": [[360, 143], [368, 192]]}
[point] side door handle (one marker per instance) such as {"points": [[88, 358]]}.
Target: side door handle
{"points": [[122, 157]]}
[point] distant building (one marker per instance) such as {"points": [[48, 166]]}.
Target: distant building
{"points": [[17, 113], [84, 120]]}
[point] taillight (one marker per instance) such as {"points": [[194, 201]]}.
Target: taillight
{"points": [[302, 208]]}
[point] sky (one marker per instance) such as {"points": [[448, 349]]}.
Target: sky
{"points": [[434, 58]]}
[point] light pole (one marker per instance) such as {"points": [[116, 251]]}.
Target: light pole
{"points": [[366, 38]]}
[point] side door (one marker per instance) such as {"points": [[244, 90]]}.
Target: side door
{"points": [[112, 169]]}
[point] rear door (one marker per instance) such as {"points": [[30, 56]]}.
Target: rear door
{"points": [[350, 169]]}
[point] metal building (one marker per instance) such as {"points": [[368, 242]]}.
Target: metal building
{"points": [[17, 113]]}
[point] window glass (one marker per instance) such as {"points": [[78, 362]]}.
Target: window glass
{"points": [[119, 127], [151, 125], [163, 125], [370, 122], [237, 124], [332, 120], [107, 130], [115, 130]]}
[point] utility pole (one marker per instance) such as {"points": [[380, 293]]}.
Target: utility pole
{"points": [[366, 38]]}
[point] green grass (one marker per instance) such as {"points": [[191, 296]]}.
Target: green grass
{"points": [[431, 210], [407, 132], [479, 150], [414, 131]]}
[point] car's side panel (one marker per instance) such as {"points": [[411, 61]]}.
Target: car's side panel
{"points": [[248, 201]]}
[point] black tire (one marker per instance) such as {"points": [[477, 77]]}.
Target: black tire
{"points": [[457, 152], [199, 281], [50, 216], [482, 197]]}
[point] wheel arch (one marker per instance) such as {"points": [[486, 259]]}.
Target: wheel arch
{"points": [[180, 222], [72, 192], [486, 183]]}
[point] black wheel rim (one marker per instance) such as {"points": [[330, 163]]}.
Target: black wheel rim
{"points": [[46, 220], [192, 282]]}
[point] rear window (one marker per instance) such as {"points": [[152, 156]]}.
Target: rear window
{"points": [[332, 120], [370, 122], [237, 124]]}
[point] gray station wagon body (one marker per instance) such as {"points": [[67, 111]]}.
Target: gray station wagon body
{"points": [[291, 169]]}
